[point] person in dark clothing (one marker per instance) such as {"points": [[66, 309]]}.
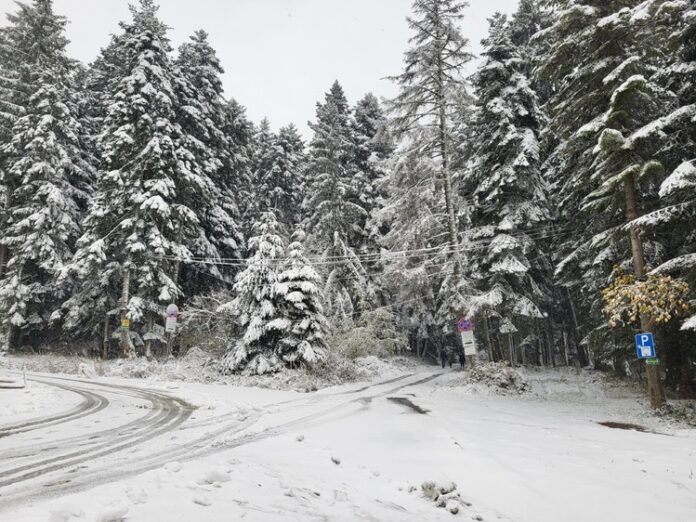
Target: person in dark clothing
{"points": [[444, 357], [462, 357]]}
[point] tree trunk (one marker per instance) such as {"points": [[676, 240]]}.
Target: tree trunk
{"points": [[582, 356], [4, 252], [552, 342], [126, 345], [511, 344], [148, 342], [656, 391], [3, 259], [540, 344], [446, 178], [487, 336], [105, 339]]}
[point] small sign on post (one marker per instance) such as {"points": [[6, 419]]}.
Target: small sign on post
{"points": [[172, 317], [466, 330], [645, 346], [170, 326], [125, 324]]}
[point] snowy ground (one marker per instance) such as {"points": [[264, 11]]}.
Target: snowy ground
{"points": [[153, 451]]}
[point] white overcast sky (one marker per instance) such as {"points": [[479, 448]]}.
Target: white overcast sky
{"points": [[280, 56]]}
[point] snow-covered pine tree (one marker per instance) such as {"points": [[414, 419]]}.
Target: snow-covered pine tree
{"points": [[299, 291], [138, 225], [580, 51], [509, 206], [530, 18], [333, 214], [202, 116], [674, 136], [432, 79], [235, 181], [373, 146], [257, 305], [282, 186], [415, 256], [262, 161], [46, 179]]}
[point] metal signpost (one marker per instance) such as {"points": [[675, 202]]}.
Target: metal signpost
{"points": [[645, 346]]}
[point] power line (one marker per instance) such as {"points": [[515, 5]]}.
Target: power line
{"points": [[382, 256]]}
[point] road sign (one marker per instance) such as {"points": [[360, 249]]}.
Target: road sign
{"points": [[645, 346], [125, 324], [653, 362], [469, 343], [170, 324], [464, 325], [172, 311]]}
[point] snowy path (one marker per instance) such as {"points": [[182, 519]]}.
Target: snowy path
{"points": [[351, 453]]}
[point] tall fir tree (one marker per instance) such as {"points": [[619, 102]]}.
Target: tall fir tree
{"points": [[139, 223], [282, 187], [509, 203], [673, 141], [333, 213], [45, 176], [579, 53], [262, 162], [431, 82], [202, 117], [413, 257]]}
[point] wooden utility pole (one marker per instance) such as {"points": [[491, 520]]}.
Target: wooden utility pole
{"points": [[656, 392]]}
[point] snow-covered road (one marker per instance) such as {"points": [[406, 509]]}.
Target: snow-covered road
{"points": [[182, 452]]}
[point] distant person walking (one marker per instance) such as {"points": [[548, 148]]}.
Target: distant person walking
{"points": [[445, 356]]}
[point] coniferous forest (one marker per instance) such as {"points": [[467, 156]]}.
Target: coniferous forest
{"points": [[549, 197]]}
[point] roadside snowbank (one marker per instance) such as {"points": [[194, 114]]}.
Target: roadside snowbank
{"points": [[197, 366]]}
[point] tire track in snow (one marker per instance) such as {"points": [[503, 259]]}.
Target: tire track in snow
{"points": [[91, 404], [170, 413], [204, 445]]}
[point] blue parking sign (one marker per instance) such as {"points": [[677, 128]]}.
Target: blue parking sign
{"points": [[645, 346]]}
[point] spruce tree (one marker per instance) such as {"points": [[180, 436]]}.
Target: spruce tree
{"points": [[674, 136], [509, 203], [282, 188], [333, 213], [140, 221], [414, 255], [429, 85], [580, 51], [46, 179], [299, 289], [262, 163], [257, 306], [202, 117]]}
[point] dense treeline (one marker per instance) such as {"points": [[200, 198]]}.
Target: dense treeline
{"points": [[523, 197]]}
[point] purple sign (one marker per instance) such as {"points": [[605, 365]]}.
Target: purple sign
{"points": [[464, 325]]}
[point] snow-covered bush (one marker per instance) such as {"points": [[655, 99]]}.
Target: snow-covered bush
{"points": [[203, 325], [498, 378], [300, 303], [375, 333]]}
